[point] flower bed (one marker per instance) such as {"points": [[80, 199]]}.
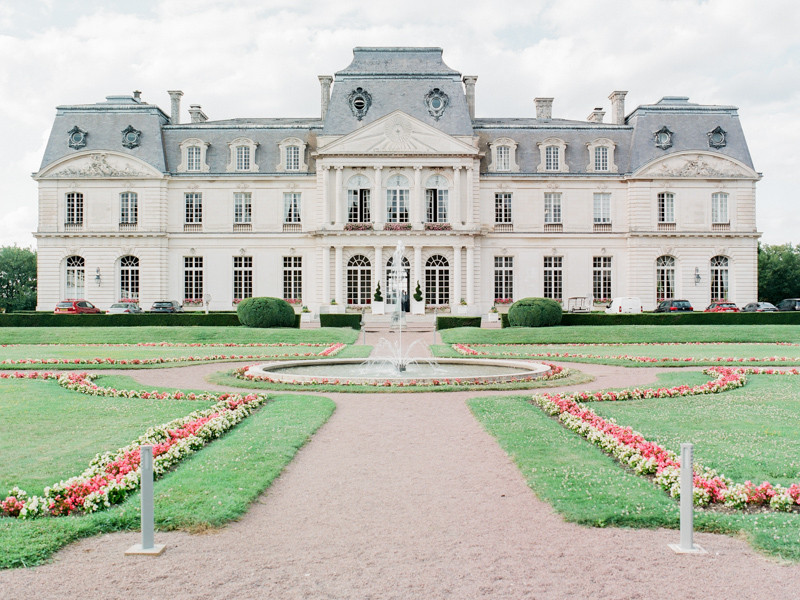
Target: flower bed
{"points": [[112, 476], [648, 458]]}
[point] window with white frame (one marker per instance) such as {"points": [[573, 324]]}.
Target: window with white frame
{"points": [[601, 156], [502, 207], [552, 156], [436, 199], [719, 208], [665, 278], [503, 162], [194, 207], [358, 199], [193, 279], [193, 156], [502, 153], [291, 207], [292, 155], [552, 207], [242, 156], [397, 199], [75, 277], [601, 278], [503, 279], [242, 278], [242, 207], [74, 213], [293, 278], [666, 207], [129, 278], [602, 207], [553, 276], [128, 208], [359, 280], [292, 158], [437, 281], [719, 278]]}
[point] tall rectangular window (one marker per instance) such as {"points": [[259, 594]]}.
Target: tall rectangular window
{"points": [[242, 158], [242, 277], [503, 158], [601, 158], [551, 158], [553, 277], [502, 207], [397, 206], [74, 214], [436, 201], [601, 278], [194, 207], [193, 279], [292, 158], [128, 207], [602, 208], [292, 277], [242, 207], [719, 208], [552, 207], [666, 207], [291, 207], [358, 206], [193, 158], [503, 279]]}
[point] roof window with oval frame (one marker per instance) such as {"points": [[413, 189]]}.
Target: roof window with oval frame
{"points": [[503, 156], [717, 138], [242, 156], [131, 137], [663, 138], [437, 102], [292, 155], [77, 138], [359, 100]]}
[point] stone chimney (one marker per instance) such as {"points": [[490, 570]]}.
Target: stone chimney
{"points": [[325, 82], [596, 116], [196, 113], [137, 95], [544, 108], [618, 107], [175, 109], [469, 87]]}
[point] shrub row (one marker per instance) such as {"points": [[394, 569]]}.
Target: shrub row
{"points": [[684, 318], [351, 320], [452, 322]]}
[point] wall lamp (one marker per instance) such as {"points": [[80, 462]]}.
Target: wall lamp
{"points": [[696, 276], [97, 278]]}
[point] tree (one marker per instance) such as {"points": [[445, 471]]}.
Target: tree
{"points": [[17, 278], [778, 272]]}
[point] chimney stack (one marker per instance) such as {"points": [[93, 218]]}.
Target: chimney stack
{"points": [[325, 82], [196, 113], [469, 86], [618, 107], [596, 115], [544, 108], [175, 109], [137, 95]]}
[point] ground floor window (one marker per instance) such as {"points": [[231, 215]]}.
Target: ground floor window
{"points": [[359, 280], [75, 277], [193, 279], [293, 278], [437, 281], [553, 277], [503, 279], [129, 277], [665, 278], [719, 278], [242, 277], [601, 278]]}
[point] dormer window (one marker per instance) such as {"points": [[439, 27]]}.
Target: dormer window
{"points": [[503, 156], [242, 158], [553, 156], [193, 156], [663, 138], [292, 154], [601, 156]]}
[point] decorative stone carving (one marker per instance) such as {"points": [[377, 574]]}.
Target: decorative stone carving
{"points": [[398, 132], [77, 138], [359, 100], [696, 167], [663, 138], [707, 166], [436, 101], [99, 167], [717, 138], [131, 137]]}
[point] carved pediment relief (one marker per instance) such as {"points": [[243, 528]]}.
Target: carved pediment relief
{"points": [[694, 165], [99, 165]]}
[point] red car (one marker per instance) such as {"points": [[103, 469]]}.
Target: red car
{"points": [[722, 307], [75, 307]]}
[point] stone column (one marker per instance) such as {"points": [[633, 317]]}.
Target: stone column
{"points": [[379, 203], [339, 279], [379, 269], [417, 215], [418, 275], [326, 205], [456, 210], [326, 274], [456, 275], [470, 199], [339, 208], [470, 274]]}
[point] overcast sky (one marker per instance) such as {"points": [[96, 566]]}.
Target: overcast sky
{"points": [[261, 58]]}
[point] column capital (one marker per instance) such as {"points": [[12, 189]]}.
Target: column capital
{"points": [[325, 167], [378, 167], [338, 167], [417, 167], [458, 167]]}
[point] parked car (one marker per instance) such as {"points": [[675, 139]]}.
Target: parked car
{"points": [[722, 307], [674, 305], [166, 306], [789, 304], [624, 305], [75, 307], [119, 308], [759, 307]]}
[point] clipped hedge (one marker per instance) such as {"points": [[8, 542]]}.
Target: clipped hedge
{"points": [[265, 312], [453, 322], [504, 321], [683, 318], [352, 320], [222, 319], [534, 312]]}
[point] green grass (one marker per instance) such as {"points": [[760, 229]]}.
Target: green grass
{"points": [[132, 335], [623, 333], [211, 488], [48, 433], [588, 487]]}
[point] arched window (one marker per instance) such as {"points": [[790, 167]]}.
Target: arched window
{"points": [[358, 199], [75, 277], [436, 196], [397, 199], [719, 278], [437, 281], [665, 278], [359, 280], [129, 278], [405, 278], [128, 208]]}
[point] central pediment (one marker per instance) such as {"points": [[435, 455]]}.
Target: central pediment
{"points": [[398, 133]]}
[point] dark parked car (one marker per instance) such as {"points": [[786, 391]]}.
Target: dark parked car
{"points": [[674, 305], [75, 307], [722, 307], [166, 306], [789, 304], [759, 307]]}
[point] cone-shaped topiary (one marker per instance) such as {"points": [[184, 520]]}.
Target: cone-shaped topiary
{"points": [[378, 296], [534, 312], [265, 312], [418, 293]]}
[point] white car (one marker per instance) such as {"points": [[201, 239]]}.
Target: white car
{"points": [[120, 308], [624, 305]]}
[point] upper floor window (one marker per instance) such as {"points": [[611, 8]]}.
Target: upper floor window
{"points": [[552, 156], [502, 207], [292, 155], [666, 207], [503, 156], [242, 207], [602, 207], [291, 207], [436, 199], [242, 158], [193, 156], [552, 207], [74, 214], [601, 156], [194, 207], [292, 158], [128, 208], [242, 155], [358, 199], [397, 199], [719, 208]]}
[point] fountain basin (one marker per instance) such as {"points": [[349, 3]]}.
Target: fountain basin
{"points": [[346, 371]]}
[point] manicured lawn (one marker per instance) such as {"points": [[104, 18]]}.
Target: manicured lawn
{"points": [[209, 489], [588, 487], [624, 333]]}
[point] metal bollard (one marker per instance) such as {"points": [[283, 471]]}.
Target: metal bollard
{"points": [[687, 545], [148, 512]]}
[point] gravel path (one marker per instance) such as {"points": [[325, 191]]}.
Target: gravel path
{"points": [[404, 496]]}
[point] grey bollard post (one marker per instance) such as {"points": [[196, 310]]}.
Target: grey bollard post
{"points": [[687, 503], [148, 512]]}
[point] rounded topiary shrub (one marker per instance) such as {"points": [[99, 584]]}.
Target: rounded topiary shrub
{"points": [[265, 312], [534, 312]]}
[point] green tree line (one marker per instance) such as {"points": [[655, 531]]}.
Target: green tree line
{"points": [[17, 279], [778, 272]]}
